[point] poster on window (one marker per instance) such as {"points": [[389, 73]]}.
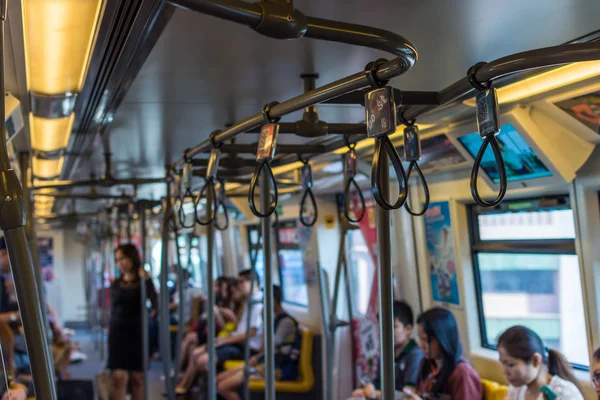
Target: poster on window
{"points": [[307, 239], [46, 250], [365, 329], [440, 248]]}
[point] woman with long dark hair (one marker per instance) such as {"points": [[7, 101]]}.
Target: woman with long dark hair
{"points": [[444, 373], [125, 357], [532, 369]]}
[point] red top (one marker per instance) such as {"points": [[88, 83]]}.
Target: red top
{"points": [[462, 384]]}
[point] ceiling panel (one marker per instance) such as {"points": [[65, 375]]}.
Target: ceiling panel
{"points": [[205, 72]]}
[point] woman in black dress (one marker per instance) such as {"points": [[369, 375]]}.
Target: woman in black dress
{"points": [[125, 357]]}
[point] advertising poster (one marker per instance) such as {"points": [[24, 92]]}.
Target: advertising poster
{"points": [[46, 249], [365, 329], [440, 247], [307, 239]]}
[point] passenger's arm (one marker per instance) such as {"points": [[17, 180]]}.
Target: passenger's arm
{"points": [[235, 339], [16, 392], [228, 315], [464, 383], [10, 317], [411, 370]]}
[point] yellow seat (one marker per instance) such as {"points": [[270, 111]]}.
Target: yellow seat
{"points": [[306, 376], [173, 328], [493, 390]]}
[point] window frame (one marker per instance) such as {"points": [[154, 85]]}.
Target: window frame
{"points": [[255, 248], [528, 246]]}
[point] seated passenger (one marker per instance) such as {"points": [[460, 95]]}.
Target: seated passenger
{"points": [[529, 366], [408, 355], [287, 348], [227, 312], [595, 371], [443, 372], [230, 347], [15, 390]]}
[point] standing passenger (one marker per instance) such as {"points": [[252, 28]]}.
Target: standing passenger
{"points": [[125, 357], [529, 366]]}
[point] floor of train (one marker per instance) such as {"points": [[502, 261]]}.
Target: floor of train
{"points": [[94, 364]]}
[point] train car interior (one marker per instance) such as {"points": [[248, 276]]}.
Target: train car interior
{"points": [[349, 200]]}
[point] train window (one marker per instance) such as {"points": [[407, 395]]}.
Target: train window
{"points": [[362, 270], [291, 265], [527, 273]]}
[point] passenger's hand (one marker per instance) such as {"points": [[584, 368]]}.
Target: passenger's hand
{"points": [[253, 361], [369, 391], [18, 393], [143, 273], [409, 392], [358, 393], [152, 313]]}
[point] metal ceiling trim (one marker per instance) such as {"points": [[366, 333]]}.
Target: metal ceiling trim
{"points": [[126, 35]]}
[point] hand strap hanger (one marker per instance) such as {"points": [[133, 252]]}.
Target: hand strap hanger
{"points": [[349, 160], [307, 182], [488, 124], [188, 196], [209, 185], [264, 154], [381, 121], [412, 154]]}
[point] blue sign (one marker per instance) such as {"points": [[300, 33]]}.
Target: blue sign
{"points": [[440, 246]]}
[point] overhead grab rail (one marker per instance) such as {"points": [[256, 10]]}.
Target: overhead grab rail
{"points": [[380, 110], [349, 160], [412, 154], [307, 183], [209, 185], [186, 188], [106, 181], [271, 19], [221, 205], [264, 155]]}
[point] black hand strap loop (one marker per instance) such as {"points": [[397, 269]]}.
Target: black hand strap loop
{"points": [[308, 220], [480, 86], [266, 166], [362, 208], [371, 73], [225, 225], [188, 195], [210, 217], [384, 145], [266, 111], [307, 182], [415, 166], [223, 208], [489, 140]]}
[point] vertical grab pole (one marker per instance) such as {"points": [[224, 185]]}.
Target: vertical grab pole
{"points": [[350, 305], [265, 197], [386, 317], [324, 297], [181, 298], [13, 217], [165, 348], [212, 356], [32, 238], [143, 301], [247, 339]]}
